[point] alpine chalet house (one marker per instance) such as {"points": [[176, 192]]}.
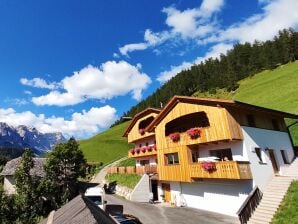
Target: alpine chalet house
{"points": [[211, 153], [145, 146]]}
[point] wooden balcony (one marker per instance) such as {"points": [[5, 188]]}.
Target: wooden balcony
{"points": [[223, 170], [147, 169], [143, 151]]}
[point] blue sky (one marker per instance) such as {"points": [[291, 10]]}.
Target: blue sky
{"points": [[76, 66]]}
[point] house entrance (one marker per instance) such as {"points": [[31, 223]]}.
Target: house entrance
{"points": [[167, 192], [273, 161], [154, 189]]}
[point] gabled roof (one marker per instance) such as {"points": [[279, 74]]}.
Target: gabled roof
{"points": [[11, 166], [214, 102], [138, 116], [79, 210]]}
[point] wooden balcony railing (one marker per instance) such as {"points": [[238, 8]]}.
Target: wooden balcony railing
{"points": [[143, 151], [147, 169], [249, 205], [223, 170]]}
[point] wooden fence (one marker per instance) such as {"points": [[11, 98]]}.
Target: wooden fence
{"points": [[133, 169]]}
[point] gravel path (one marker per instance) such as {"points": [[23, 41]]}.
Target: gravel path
{"points": [[100, 177]]}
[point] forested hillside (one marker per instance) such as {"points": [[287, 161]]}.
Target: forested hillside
{"points": [[242, 61]]}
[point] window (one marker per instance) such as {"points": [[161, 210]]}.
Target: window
{"points": [[259, 154], [172, 158], [140, 145], [147, 143], [183, 123], [222, 154], [194, 153], [275, 125], [284, 156], [251, 120], [144, 123], [144, 162]]}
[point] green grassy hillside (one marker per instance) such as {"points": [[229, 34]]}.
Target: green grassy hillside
{"points": [[276, 89], [106, 146]]}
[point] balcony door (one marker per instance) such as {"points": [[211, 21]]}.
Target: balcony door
{"points": [[273, 161]]}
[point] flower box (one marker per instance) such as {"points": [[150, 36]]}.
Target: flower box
{"points": [[175, 137], [149, 148], [138, 151], [194, 133], [144, 149], [142, 131], [208, 166], [132, 151]]}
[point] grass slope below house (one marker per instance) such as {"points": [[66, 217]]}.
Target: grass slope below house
{"points": [[276, 89], [288, 210], [127, 180], [106, 146]]}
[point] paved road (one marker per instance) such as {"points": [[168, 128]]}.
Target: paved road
{"points": [[156, 214]]}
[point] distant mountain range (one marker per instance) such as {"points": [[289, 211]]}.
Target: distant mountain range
{"points": [[21, 137]]}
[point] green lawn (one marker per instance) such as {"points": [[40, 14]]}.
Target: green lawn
{"points": [[276, 89], [106, 146], [128, 180], [127, 162], [288, 210]]}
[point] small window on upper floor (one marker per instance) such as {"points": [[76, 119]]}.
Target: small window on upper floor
{"points": [[258, 152], [275, 125], [251, 120], [284, 156], [144, 123], [171, 158], [147, 143], [140, 145]]}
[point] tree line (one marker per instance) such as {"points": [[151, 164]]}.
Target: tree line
{"points": [[36, 197], [224, 72]]}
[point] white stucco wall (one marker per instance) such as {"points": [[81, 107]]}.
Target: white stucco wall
{"points": [[261, 138], [224, 197], [9, 185]]}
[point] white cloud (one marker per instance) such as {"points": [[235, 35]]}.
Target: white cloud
{"points": [[39, 83], [80, 125], [167, 75], [132, 47], [214, 52], [190, 23], [105, 82], [276, 15], [27, 92]]}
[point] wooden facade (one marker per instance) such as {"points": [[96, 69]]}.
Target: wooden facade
{"points": [[146, 169], [223, 127], [222, 123], [135, 135]]}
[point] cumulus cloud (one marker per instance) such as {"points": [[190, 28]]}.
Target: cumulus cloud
{"points": [[105, 82], [80, 125], [190, 23], [276, 15], [214, 52], [39, 83]]}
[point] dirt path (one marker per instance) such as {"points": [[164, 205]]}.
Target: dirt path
{"points": [[100, 177]]}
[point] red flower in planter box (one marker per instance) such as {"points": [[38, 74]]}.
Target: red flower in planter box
{"points": [[143, 149], [137, 150], [142, 131], [208, 166], [175, 136], [194, 133], [149, 148], [132, 151]]}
